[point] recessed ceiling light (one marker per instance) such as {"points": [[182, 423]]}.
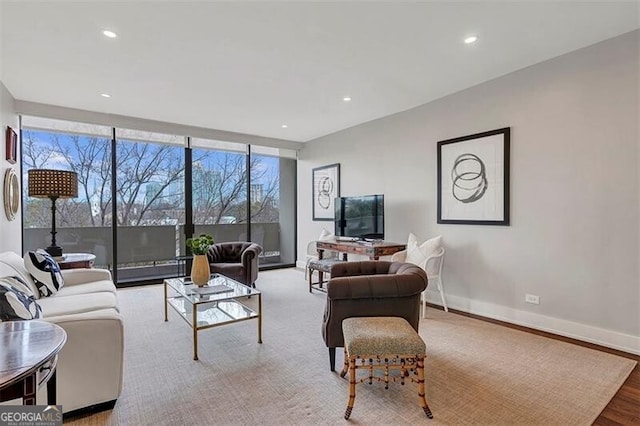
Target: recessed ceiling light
{"points": [[284, 126], [471, 39], [347, 99], [109, 33], [105, 95]]}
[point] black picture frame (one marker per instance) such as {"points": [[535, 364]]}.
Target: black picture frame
{"points": [[325, 187], [473, 179]]}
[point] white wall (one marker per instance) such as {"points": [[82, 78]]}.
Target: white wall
{"points": [[10, 231], [575, 187]]}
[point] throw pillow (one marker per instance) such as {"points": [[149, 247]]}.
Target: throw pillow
{"points": [[325, 235], [18, 283], [419, 253], [45, 272], [15, 304]]}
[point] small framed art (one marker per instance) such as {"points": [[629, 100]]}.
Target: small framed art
{"points": [[11, 145], [326, 187], [473, 179]]}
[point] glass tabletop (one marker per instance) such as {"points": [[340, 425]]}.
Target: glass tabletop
{"points": [[218, 288]]}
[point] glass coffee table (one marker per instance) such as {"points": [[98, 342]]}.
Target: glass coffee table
{"points": [[218, 303]]}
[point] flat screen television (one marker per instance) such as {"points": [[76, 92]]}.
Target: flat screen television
{"points": [[360, 217]]}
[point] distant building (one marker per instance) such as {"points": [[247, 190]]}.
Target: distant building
{"points": [[171, 195], [257, 192], [205, 182]]}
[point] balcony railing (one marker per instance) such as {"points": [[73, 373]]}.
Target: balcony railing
{"points": [[148, 246]]}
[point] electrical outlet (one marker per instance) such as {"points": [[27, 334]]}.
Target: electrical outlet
{"points": [[532, 298]]}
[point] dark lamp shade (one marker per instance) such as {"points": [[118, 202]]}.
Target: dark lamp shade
{"points": [[45, 183]]}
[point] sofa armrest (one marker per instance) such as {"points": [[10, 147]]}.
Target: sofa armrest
{"points": [[250, 253], [83, 276], [90, 366]]}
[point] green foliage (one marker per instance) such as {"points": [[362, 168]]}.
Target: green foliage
{"points": [[200, 245]]}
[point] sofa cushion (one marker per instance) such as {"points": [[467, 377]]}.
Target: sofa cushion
{"points": [[100, 314], [14, 303], [83, 276], [92, 287], [45, 272], [231, 270], [78, 303]]}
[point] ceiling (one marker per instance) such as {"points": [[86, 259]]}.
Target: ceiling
{"points": [[252, 67]]}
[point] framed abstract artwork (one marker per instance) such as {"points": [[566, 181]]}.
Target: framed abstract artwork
{"points": [[326, 187], [11, 145], [473, 179]]}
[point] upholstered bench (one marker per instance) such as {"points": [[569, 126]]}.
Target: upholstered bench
{"points": [[382, 343], [324, 266]]}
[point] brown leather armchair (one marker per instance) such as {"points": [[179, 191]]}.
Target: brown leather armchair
{"points": [[237, 260], [370, 289]]}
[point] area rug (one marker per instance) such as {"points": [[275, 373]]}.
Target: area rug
{"points": [[477, 373]]}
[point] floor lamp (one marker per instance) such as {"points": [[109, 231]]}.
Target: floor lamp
{"points": [[52, 184]]}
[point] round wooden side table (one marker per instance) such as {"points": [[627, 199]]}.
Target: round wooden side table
{"points": [[77, 260], [28, 359]]}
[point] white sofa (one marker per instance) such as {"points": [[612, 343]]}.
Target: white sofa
{"points": [[90, 364]]}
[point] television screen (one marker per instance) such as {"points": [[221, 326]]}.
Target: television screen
{"points": [[360, 217]]}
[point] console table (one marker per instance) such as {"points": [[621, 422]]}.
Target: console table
{"points": [[372, 250], [28, 359]]}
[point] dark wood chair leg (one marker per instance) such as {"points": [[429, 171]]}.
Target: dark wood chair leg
{"points": [[332, 358]]}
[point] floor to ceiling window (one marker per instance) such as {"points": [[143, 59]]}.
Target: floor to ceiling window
{"points": [[150, 211], [219, 189], [83, 223], [272, 199], [150, 191]]}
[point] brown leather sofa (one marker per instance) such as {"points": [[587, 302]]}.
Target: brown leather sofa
{"points": [[237, 260], [369, 289]]}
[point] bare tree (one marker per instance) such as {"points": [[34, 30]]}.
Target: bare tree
{"points": [[138, 165], [220, 189], [34, 155], [148, 182], [265, 206], [219, 186], [90, 158]]}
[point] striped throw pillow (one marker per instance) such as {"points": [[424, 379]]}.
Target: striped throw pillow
{"points": [[16, 305], [45, 272]]}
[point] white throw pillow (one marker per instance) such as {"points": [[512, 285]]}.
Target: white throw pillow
{"points": [[419, 253], [45, 272], [15, 305], [325, 235]]}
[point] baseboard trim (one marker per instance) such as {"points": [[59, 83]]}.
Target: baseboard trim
{"points": [[599, 336]]}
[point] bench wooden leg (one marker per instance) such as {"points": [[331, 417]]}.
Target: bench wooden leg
{"points": [[352, 387], [423, 401], [345, 364]]}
